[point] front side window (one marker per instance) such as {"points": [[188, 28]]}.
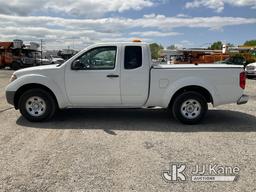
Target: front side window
{"points": [[99, 58], [133, 57]]}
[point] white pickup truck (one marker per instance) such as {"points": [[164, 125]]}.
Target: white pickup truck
{"points": [[121, 75]]}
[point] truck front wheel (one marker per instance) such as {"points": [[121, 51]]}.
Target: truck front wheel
{"points": [[37, 105], [189, 107]]}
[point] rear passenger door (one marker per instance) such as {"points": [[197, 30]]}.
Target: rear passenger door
{"points": [[134, 76]]}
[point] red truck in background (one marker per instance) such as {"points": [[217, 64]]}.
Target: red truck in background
{"points": [[16, 55]]}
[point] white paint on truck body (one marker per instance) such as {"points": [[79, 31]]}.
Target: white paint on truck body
{"points": [[144, 86]]}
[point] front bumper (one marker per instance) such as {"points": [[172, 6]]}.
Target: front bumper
{"points": [[10, 97], [243, 100]]}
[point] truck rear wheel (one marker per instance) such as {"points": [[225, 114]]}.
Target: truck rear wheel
{"points": [[37, 105], [189, 107]]}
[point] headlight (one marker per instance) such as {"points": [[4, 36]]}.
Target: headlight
{"points": [[13, 77]]}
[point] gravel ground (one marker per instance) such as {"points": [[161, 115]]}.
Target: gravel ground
{"points": [[123, 150]]}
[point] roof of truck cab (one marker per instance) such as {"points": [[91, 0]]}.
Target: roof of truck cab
{"points": [[122, 43], [114, 44]]}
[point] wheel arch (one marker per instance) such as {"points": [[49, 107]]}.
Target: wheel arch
{"points": [[198, 89], [30, 86]]}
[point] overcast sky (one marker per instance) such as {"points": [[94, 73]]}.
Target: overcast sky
{"points": [[187, 23]]}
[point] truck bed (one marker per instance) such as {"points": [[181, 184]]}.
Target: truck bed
{"points": [[222, 81]]}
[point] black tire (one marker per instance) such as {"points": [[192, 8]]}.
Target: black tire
{"points": [[15, 65], [187, 114], [48, 109]]}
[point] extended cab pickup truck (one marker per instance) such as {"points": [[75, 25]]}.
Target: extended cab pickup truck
{"points": [[121, 75]]}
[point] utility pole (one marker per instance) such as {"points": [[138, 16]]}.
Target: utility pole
{"points": [[42, 44], [41, 52]]}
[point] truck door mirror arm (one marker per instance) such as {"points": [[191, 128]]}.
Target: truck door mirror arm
{"points": [[76, 65]]}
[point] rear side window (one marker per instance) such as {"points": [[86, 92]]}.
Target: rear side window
{"points": [[133, 57]]}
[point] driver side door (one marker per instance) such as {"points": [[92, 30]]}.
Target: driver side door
{"points": [[94, 81]]}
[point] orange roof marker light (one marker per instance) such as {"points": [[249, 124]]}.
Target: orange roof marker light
{"points": [[136, 41]]}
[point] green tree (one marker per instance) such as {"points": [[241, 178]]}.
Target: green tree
{"points": [[216, 45], [230, 45], [155, 50], [172, 47], [250, 43]]}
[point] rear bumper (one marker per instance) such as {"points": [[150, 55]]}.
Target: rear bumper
{"points": [[243, 100], [10, 97]]}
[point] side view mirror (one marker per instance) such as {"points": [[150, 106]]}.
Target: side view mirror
{"points": [[76, 65]]}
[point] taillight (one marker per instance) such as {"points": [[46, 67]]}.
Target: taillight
{"points": [[242, 80]]}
